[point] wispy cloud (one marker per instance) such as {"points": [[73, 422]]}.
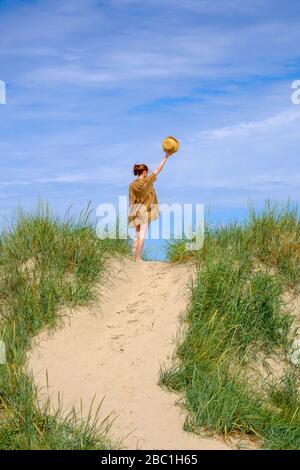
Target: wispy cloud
{"points": [[245, 128]]}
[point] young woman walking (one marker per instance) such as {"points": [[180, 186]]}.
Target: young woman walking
{"points": [[143, 204]]}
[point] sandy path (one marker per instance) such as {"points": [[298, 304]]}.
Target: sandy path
{"points": [[117, 351]]}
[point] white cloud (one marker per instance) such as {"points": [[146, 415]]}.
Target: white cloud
{"points": [[242, 129]]}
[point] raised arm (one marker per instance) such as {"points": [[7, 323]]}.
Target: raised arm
{"points": [[162, 164]]}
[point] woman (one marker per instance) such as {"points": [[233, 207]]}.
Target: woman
{"points": [[143, 203]]}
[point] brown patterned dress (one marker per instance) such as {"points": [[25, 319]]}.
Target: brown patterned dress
{"points": [[143, 201]]}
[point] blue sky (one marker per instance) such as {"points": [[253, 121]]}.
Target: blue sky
{"points": [[94, 86]]}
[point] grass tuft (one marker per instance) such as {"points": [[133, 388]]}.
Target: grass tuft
{"points": [[45, 263], [237, 326]]}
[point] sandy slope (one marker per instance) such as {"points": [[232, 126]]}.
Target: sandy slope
{"points": [[117, 351]]}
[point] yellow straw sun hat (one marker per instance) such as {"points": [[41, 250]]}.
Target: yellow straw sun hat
{"points": [[170, 144]]}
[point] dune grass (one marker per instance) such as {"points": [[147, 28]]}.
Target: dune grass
{"points": [[232, 364], [45, 264]]}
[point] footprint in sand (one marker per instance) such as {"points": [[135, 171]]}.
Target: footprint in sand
{"points": [[165, 295]]}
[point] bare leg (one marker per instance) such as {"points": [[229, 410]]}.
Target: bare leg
{"points": [[135, 242], [134, 247], [140, 242]]}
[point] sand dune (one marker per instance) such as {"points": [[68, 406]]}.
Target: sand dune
{"points": [[115, 351]]}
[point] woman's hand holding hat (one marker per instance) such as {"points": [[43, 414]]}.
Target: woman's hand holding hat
{"points": [[170, 145]]}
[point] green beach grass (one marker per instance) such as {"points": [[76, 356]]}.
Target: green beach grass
{"points": [[45, 264], [232, 364]]}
